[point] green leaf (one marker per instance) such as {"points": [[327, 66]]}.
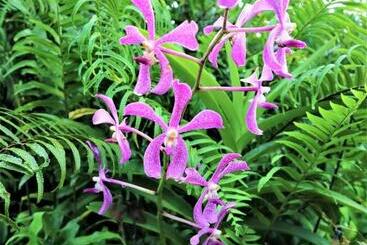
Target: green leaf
{"points": [[265, 179]]}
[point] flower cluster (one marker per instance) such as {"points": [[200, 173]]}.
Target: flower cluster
{"points": [[210, 210]]}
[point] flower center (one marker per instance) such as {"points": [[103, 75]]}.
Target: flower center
{"points": [[148, 57], [212, 191], [98, 185], [113, 129], [217, 233], [171, 138]]}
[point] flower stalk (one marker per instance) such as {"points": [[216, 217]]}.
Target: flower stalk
{"points": [[230, 89], [181, 220], [162, 238], [211, 46], [180, 54]]}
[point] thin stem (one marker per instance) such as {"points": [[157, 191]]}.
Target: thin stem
{"points": [[211, 46], [132, 186], [135, 131], [178, 219], [231, 89], [252, 29], [180, 54], [162, 239]]}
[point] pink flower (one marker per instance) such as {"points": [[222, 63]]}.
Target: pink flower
{"points": [[102, 116], [100, 180], [227, 3], [238, 39], [228, 164], [279, 42], [184, 35], [259, 100], [205, 225], [171, 136]]}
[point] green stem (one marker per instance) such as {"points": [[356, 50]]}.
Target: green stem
{"points": [[162, 239], [211, 46]]}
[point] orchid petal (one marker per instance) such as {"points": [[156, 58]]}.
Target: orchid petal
{"points": [[223, 163], [107, 201], [227, 4], [198, 211], [96, 152], [213, 56], [91, 190], [110, 105], [194, 178], [152, 159], [266, 74], [239, 50], [250, 11], [216, 25], [213, 242], [145, 7], [204, 120], [252, 79], [269, 55], [223, 212], [133, 36], [210, 212], [102, 116], [184, 35], [182, 94], [166, 79], [251, 117], [268, 106], [125, 150], [281, 56], [178, 163], [195, 240], [234, 167], [143, 110], [144, 82]]}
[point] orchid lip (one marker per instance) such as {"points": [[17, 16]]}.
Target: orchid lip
{"points": [[171, 137]]}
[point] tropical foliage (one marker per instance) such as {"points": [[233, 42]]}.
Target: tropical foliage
{"points": [[308, 177]]}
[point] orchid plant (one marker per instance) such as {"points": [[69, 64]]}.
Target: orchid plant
{"points": [[210, 209]]}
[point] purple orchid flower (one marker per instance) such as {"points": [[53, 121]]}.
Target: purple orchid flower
{"points": [[279, 41], [171, 136], [239, 48], [259, 100], [102, 116], [203, 223], [183, 35], [228, 164], [228, 4], [100, 181]]}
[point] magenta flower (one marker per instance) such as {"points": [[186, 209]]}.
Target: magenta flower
{"points": [[236, 34], [207, 227], [279, 42], [100, 181], [184, 35], [238, 39], [228, 4], [171, 137], [228, 164], [102, 116], [259, 100]]}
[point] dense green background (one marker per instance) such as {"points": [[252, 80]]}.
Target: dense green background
{"points": [[308, 180]]}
